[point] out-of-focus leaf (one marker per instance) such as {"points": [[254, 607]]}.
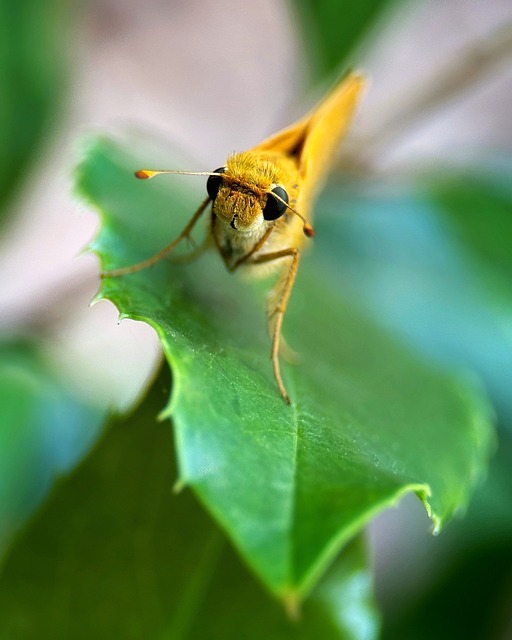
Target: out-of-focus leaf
{"points": [[332, 28], [434, 266], [369, 422], [480, 211], [490, 516], [469, 595], [115, 554], [34, 54], [470, 601], [44, 430]]}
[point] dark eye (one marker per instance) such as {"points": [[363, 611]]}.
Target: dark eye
{"points": [[213, 183], [274, 208]]}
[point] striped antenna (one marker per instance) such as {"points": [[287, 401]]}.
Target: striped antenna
{"points": [[147, 174], [308, 230]]}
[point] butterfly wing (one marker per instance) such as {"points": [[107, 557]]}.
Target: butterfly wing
{"points": [[314, 139]]}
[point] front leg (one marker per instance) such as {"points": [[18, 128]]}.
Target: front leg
{"points": [[257, 246], [227, 257], [122, 271]]}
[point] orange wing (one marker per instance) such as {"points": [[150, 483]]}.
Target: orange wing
{"points": [[314, 139]]}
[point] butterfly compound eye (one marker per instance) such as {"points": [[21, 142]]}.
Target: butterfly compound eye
{"points": [[275, 208], [213, 183]]}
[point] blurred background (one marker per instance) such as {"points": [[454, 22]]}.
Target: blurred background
{"points": [[423, 241]]}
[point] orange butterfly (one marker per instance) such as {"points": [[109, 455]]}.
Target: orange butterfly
{"points": [[262, 201]]}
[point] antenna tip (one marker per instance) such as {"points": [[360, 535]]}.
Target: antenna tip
{"points": [[308, 230], [144, 174]]}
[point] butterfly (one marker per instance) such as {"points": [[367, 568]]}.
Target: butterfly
{"points": [[261, 202]]}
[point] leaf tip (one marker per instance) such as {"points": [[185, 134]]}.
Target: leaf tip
{"points": [[291, 602], [424, 492], [179, 485], [436, 525], [165, 413], [99, 296]]}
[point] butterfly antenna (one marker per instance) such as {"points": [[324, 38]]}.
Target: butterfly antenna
{"points": [[308, 230], [147, 174]]}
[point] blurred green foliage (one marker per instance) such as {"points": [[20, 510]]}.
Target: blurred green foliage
{"points": [[116, 555], [34, 55], [433, 266], [480, 209], [45, 429], [331, 30], [471, 596]]}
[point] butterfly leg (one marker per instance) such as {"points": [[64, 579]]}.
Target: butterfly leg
{"points": [[163, 252], [278, 302], [187, 258]]}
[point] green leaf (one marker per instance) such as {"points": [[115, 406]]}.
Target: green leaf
{"points": [[115, 554], [332, 29], [480, 212], [44, 430], [434, 265], [369, 422], [32, 77]]}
